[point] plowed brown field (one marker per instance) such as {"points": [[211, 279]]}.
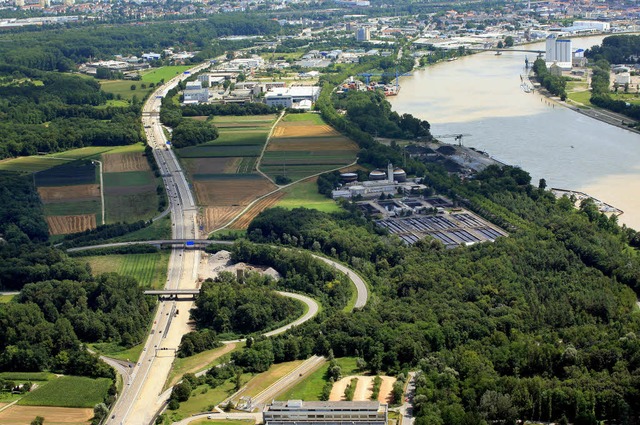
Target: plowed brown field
{"points": [[69, 193], [21, 415], [244, 221], [126, 161], [215, 217], [288, 130], [364, 388], [65, 224], [231, 192], [319, 144], [212, 165]]}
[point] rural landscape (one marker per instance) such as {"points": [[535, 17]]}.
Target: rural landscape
{"points": [[232, 213]]}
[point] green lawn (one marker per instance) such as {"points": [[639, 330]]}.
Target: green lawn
{"points": [[244, 118], [69, 391], [632, 98], [310, 389], [305, 194], [200, 361], [250, 136], [582, 97], [160, 229], [164, 73], [30, 164], [203, 399], [117, 352], [27, 376], [130, 208], [149, 269], [82, 153], [123, 88], [6, 298], [315, 119]]}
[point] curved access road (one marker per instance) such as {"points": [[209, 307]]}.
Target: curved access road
{"points": [[358, 282]]}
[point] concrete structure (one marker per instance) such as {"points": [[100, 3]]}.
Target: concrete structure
{"points": [[298, 412], [597, 25], [363, 34], [292, 96], [558, 51], [195, 93]]}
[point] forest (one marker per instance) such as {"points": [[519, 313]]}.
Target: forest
{"points": [[616, 49], [554, 84], [540, 325], [50, 112], [61, 306]]}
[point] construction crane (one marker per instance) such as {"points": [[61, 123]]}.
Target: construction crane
{"points": [[367, 76], [458, 137]]}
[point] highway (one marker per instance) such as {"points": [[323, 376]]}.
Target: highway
{"points": [[138, 401]]}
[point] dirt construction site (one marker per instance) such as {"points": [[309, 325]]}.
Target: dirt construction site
{"points": [[364, 388]]}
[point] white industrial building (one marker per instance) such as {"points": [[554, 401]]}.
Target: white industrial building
{"points": [[291, 97], [597, 25], [298, 412], [195, 93], [558, 52]]}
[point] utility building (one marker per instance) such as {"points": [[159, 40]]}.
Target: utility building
{"points": [[298, 412]]}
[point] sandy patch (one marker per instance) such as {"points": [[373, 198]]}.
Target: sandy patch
{"points": [[364, 388], [67, 193], [619, 191], [122, 162], [21, 415], [65, 224]]}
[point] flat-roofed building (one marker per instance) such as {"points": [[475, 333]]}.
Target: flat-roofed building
{"points": [[290, 97], [300, 412]]}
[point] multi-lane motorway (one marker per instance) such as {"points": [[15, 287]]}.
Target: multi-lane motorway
{"points": [[139, 399]]}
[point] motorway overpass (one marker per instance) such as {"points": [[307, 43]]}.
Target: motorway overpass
{"points": [[181, 243]]}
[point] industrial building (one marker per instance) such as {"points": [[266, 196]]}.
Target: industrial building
{"points": [[558, 51], [381, 182], [292, 97], [195, 93], [298, 412]]}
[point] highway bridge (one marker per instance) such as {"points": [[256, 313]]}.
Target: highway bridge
{"points": [[182, 243]]}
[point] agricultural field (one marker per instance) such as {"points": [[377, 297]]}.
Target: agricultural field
{"points": [[223, 171], [21, 415], [117, 351], [165, 73], [150, 270], [129, 186], [68, 391], [122, 89], [303, 145], [305, 194], [267, 202], [6, 298]]}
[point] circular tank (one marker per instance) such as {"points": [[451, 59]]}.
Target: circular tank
{"points": [[377, 175], [348, 177], [399, 175]]}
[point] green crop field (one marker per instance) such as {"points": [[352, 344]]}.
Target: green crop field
{"points": [[129, 178], [310, 389], [244, 118], [229, 177], [314, 119], [164, 73], [27, 376], [211, 151], [305, 194], [130, 208], [73, 208], [297, 172], [82, 153], [68, 174], [69, 391], [30, 164], [150, 270], [234, 137]]}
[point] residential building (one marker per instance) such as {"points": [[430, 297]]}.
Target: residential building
{"points": [[298, 412], [363, 34]]}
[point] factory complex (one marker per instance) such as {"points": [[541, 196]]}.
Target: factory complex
{"points": [[298, 412]]}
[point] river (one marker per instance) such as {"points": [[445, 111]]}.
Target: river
{"points": [[480, 95]]}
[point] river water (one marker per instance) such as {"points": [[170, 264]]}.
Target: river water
{"points": [[480, 95]]}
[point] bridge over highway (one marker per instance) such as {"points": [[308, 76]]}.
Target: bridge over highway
{"points": [[182, 243]]}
